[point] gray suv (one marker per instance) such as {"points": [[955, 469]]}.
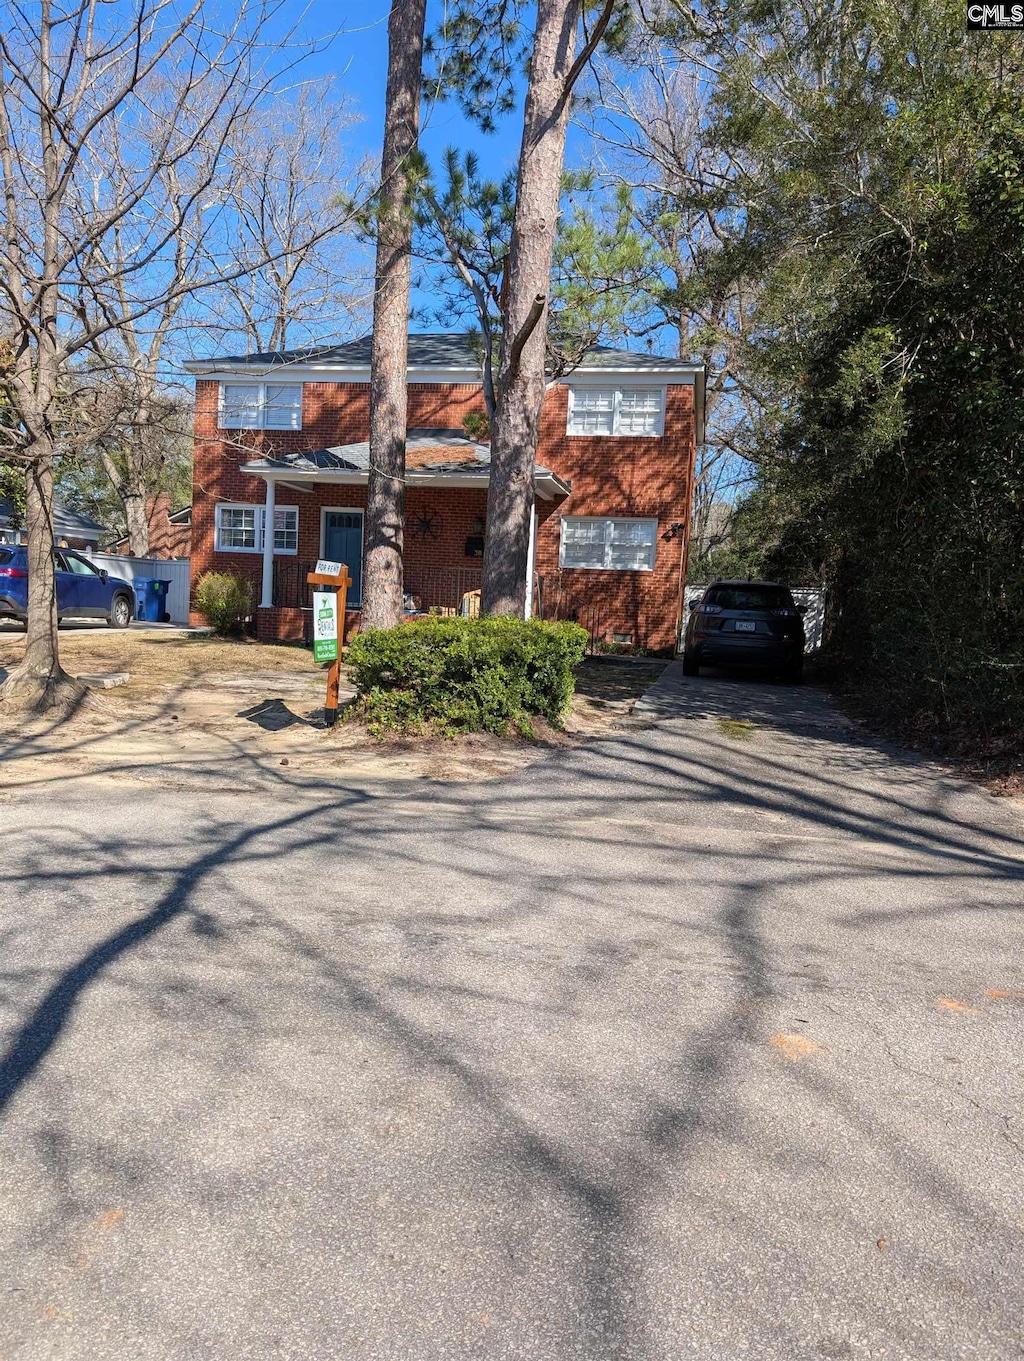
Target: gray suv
{"points": [[745, 623]]}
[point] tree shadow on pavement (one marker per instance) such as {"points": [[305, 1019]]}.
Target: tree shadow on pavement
{"points": [[592, 954]]}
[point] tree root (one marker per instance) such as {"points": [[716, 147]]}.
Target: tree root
{"points": [[48, 694]]}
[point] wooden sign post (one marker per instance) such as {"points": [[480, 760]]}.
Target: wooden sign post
{"points": [[329, 625]]}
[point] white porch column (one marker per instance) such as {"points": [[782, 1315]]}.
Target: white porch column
{"points": [[531, 558], [268, 548]]}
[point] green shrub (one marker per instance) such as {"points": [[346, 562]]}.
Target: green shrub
{"points": [[226, 600], [464, 675]]}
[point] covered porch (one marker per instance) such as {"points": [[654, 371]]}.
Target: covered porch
{"points": [[316, 502]]}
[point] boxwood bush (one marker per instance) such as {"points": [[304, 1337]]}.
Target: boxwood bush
{"points": [[464, 675]]}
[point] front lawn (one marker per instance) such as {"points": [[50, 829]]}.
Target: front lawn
{"points": [[155, 660], [205, 713]]}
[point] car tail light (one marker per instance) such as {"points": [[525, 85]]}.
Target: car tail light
{"points": [[785, 612], [13, 572], [710, 609]]}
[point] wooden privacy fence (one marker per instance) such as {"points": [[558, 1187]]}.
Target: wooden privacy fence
{"points": [[178, 571]]}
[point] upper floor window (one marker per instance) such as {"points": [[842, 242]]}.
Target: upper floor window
{"points": [[616, 411], [615, 545], [261, 406]]}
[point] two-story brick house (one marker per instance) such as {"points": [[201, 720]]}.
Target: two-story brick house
{"points": [[282, 441]]}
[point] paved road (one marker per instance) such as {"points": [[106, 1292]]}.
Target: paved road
{"points": [[704, 1041]]}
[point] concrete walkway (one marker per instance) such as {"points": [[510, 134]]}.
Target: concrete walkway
{"points": [[702, 1041]]}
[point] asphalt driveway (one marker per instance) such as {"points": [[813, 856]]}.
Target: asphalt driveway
{"points": [[702, 1041]]}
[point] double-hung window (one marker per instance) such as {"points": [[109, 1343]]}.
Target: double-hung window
{"points": [[616, 411], [613, 545], [240, 528], [260, 406]]}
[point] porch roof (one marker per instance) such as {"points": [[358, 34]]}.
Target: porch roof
{"points": [[434, 458]]}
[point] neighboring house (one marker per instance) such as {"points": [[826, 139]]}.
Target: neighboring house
{"points": [[70, 529], [282, 440], [170, 531]]}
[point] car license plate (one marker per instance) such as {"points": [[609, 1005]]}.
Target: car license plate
{"points": [[745, 626]]}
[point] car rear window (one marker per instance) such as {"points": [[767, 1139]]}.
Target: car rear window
{"points": [[6, 556], [749, 597]]}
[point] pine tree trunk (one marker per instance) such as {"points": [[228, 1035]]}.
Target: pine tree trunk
{"points": [[39, 683], [520, 387], [385, 494]]}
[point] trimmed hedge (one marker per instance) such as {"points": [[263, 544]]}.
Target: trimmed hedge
{"points": [[464, 675]]}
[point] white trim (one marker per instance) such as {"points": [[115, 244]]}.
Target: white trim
{"points": [[616, 390], [267, 583], [531, 562], [605, 566], [259, 525], [255, 381]]}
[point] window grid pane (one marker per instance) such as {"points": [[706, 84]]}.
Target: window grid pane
{"points": [[616, 411], [640, 411], [593, 411], [283, 406], [241, 408], [614, 545], [286, 529], [237, 527]]}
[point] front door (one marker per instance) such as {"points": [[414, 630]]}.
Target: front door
{"points": [[343, 542]]}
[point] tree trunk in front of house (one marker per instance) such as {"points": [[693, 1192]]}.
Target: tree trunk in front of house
{"points": [[385, 493], [39, 684], [519, 391]]}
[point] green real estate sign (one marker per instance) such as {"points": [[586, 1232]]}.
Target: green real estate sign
{"points": [[325, 626]]}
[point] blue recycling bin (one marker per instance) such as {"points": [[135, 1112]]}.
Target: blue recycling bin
{"points": [[151, 599]]}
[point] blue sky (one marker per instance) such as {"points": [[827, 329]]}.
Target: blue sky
{"points": [[358, 56]]}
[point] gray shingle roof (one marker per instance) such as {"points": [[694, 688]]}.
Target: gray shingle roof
{"points": [[442, 350], [67, 523], [456, 456]]}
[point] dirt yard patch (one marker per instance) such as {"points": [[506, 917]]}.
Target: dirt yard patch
{"points": [[204, 713], [155, 660]]}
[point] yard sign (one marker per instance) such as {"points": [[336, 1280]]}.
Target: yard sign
{"points": [[328, 625], [325, 626]]}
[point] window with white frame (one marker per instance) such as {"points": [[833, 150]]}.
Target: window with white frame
{"points": [[616, 411], [261, 406], [240, 528], [615, 545]]}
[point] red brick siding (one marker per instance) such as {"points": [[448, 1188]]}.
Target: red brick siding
{"points": [[643, 477]]}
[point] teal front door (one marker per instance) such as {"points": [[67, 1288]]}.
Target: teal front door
{"points": [[343, 542]]}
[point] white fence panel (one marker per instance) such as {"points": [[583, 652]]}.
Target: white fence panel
{"points": [[177, 571], [811, 596]]}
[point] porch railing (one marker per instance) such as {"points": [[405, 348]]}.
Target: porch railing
{"points": [[291, 589], [438, 589], [444, 589]]}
